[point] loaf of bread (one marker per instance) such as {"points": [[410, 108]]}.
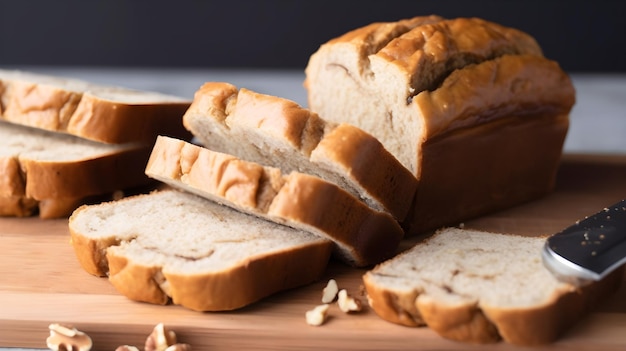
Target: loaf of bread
{"points": [[480, 287], [362, 236], [101, 113], [278, 132], [171, 246], [51, 173], [472, 108]]}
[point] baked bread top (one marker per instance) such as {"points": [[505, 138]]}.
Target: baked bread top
{"points": [[278, 132], [413, 80], [362, 236], [101, 113], [175, 246]]}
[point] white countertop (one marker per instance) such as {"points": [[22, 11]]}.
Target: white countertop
{"points": [[598, 120]]}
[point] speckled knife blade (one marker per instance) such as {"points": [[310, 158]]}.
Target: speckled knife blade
{"points": [[591, 248]]}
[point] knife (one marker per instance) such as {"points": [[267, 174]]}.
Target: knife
{"points": [[590, 249]]}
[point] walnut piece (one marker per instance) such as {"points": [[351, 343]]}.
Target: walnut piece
{"points": [[347, 303], [317, 316], [67, 338], [330, 291], [160, 339]]}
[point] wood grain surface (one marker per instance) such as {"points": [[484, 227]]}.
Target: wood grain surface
{"points": [[41, 282]]}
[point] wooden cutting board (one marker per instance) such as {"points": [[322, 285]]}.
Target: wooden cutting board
{"points": [[41, 282]]}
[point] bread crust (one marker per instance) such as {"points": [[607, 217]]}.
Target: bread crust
{"points": [[363, 236], [221, 112], [92, 176], [364, 159], [526, 158], [51, 106], [228, 288], [470, 320], [53, 189], [17, 206], [91, 253]]}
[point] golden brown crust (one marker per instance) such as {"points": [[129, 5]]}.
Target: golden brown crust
{"points": [[359, 43], [526, 169], [369, 237], [89, 252], [393, 306], [230, 289], [545, 324], [344, 150], [469, 322], [364, 159], [462, 322], [41, 106], [430, 52], [116, 123], [423, 50], [98, 175], [278, 118], [364, 236], [17, 206], [510, 85], [55, 108], [134, 280], [12, 182], [243, 285]]}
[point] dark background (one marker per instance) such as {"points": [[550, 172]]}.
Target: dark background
{"points": [[583, 36]]}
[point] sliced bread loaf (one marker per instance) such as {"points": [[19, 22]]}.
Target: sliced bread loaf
{"points": [[478, 287], [278, 132], [101, 113], [175, 246], [51, 173], [471, 107], [362, 236]]}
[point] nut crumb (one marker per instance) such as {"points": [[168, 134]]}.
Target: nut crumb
{"points": [[317, 316], [67, 338], [330, 291], [348, 303], [160, 339]]}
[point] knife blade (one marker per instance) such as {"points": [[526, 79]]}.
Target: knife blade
{"points": [[590, 249]]}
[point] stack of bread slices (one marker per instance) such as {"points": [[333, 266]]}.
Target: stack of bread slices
{"points": [[413, 125], [272, 192], [65, 142]]}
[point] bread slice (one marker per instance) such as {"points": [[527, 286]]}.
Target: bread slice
{"points": [[51, 173], [362, 236], [101, 113], [478, 287], [278, 132], [471, 107], [175, 246]]}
